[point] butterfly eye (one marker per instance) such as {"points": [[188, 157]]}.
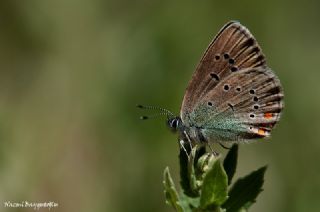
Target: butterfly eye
{"points": [[210, 104], [174, 123], [226, 87]]}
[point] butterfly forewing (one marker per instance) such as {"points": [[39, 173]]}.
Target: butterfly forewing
{"points": [[232, 49], [233, 95]]}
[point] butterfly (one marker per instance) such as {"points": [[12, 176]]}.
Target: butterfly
{"points": [[233, 96]]}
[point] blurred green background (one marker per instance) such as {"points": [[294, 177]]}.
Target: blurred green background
{"points": [[72, 71]]}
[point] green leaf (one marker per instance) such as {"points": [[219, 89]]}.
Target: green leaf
{"points": [[200, 156], [214, 187], [230, 162], [204, 164], [170, 192], [189, 204], [245, 191]]}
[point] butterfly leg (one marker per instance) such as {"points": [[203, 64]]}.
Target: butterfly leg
{"points": [[183, 142], [182, 147], [189, 140], [216, 154], [223, 146]]}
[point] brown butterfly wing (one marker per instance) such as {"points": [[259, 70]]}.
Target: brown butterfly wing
{"points": [[232, 49], [234, 56], [253, 96]]}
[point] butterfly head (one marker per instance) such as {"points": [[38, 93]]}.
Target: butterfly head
{"points": [[174, 123]]}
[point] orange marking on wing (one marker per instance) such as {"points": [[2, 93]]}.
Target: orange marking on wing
{"points": [[261, 132], [268, 115]]}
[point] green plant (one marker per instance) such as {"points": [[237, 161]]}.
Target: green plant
{"points": [[206, 183]]}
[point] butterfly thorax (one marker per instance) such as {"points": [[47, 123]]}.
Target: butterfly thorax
{"points": [[194, 134]]}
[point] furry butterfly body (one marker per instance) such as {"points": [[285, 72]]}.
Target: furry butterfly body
{"points": [[233, 95]]}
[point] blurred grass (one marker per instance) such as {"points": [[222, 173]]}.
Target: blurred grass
{"points": [[71, 73]]}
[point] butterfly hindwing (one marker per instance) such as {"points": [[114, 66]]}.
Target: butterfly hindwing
{"points": [[252, 98]]}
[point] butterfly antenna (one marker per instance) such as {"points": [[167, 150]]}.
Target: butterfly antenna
{"points": [[163, 111], [152, 116]]}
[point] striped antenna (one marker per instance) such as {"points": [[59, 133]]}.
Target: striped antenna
{"points": [[164, 112], [153, 116]]}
